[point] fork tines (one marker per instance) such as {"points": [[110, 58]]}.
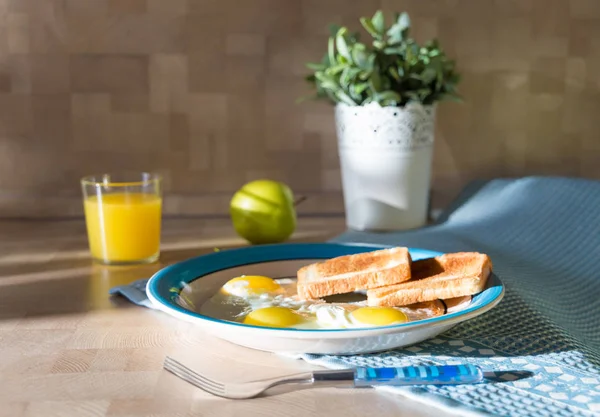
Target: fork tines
{"points": [[194, 378]]}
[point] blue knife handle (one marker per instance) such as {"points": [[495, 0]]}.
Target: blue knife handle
{"points": [[418, 375]]}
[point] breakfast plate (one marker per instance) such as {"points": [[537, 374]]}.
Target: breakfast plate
{"points": [[183, 290]]}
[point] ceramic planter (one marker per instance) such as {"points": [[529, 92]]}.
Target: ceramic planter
{"points": [[385, 158]]}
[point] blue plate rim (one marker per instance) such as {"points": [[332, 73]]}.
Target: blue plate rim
{"points": [[217, 261]]}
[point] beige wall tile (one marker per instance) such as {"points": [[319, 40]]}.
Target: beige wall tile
{"points": [[179, 132], [169, 83], [52, 120], [119, 7], [109, 73], [18, 68], [245, 44], [587, 9], [550, 18], [130, 103], [50, 74], [169, 7], [80, 8], [48, 29], [16, 116], [17, 33], [548, 75]]}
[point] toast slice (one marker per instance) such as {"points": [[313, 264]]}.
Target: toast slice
{"points": [[447, 276], [425, 310], [354, 272]]}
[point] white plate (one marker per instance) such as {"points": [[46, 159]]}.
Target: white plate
{"points": [[209, 272]]}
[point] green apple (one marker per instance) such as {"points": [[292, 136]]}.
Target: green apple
{"points": [[263, 211]]}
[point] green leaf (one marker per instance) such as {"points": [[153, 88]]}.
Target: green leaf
{"points": [[454, 78], [378, 22], [364, 75], [379, 44], [371, 62], [394, 35], [413, 96], [389, 95], [433, 44], [449, 88], [342, 60], [331, 50], [450, 97], [368, 25], [320, 75], [400, 29], [356, 91], [333, 29], [336, 69], [352, 37], [404, 21], [341, 44], [423, 92], [359, 88], [359, 56], [302, 99], [367, 101], [331, 96], [393, 50], [347, 77], [394, 73], [315, 67], [411, 53], [326, 81], [415, 76], [345, 98], [429, 75], [375, 81]]}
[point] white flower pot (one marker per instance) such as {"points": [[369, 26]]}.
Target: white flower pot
{"points": [[385, 158]]}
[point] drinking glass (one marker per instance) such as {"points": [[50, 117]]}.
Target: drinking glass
{"points": [[123, 217]]}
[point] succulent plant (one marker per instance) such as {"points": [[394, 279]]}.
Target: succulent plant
{"points": [[393, 71]]}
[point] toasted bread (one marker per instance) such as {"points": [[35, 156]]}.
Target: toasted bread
{"points": [[354, 272], [447, 276], [425, 310]]}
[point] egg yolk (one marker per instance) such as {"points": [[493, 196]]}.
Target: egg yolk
{"points": [[379, 316], [273, 317], [250, 284]]}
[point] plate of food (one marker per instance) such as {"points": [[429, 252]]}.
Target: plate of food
{"points": [[327, 298]]}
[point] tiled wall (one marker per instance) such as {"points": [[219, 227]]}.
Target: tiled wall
{"points": [[204, 92]]}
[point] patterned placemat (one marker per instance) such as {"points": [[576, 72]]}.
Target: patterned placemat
{"points": [[543, 235]]}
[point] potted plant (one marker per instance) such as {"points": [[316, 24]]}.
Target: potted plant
{"points": [[385, 95]]}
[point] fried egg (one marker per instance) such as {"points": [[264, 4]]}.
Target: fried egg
{"points": [[263, 301], [250, 285], [274, 317]]}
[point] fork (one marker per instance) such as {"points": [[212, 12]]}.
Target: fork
{"points": [[357, 377]]}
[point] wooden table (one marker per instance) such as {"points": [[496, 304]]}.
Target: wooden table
{"points": [[68, 349]]}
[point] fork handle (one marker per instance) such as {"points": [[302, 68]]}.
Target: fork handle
{"points": [[418, 375]]}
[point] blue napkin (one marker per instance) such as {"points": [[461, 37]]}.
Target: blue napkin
{"points": [[543, 236]]}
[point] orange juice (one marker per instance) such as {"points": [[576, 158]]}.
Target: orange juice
{"points": [[123, 227]]}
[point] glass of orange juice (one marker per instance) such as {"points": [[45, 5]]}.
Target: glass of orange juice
{"points": [[123, 217]]}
